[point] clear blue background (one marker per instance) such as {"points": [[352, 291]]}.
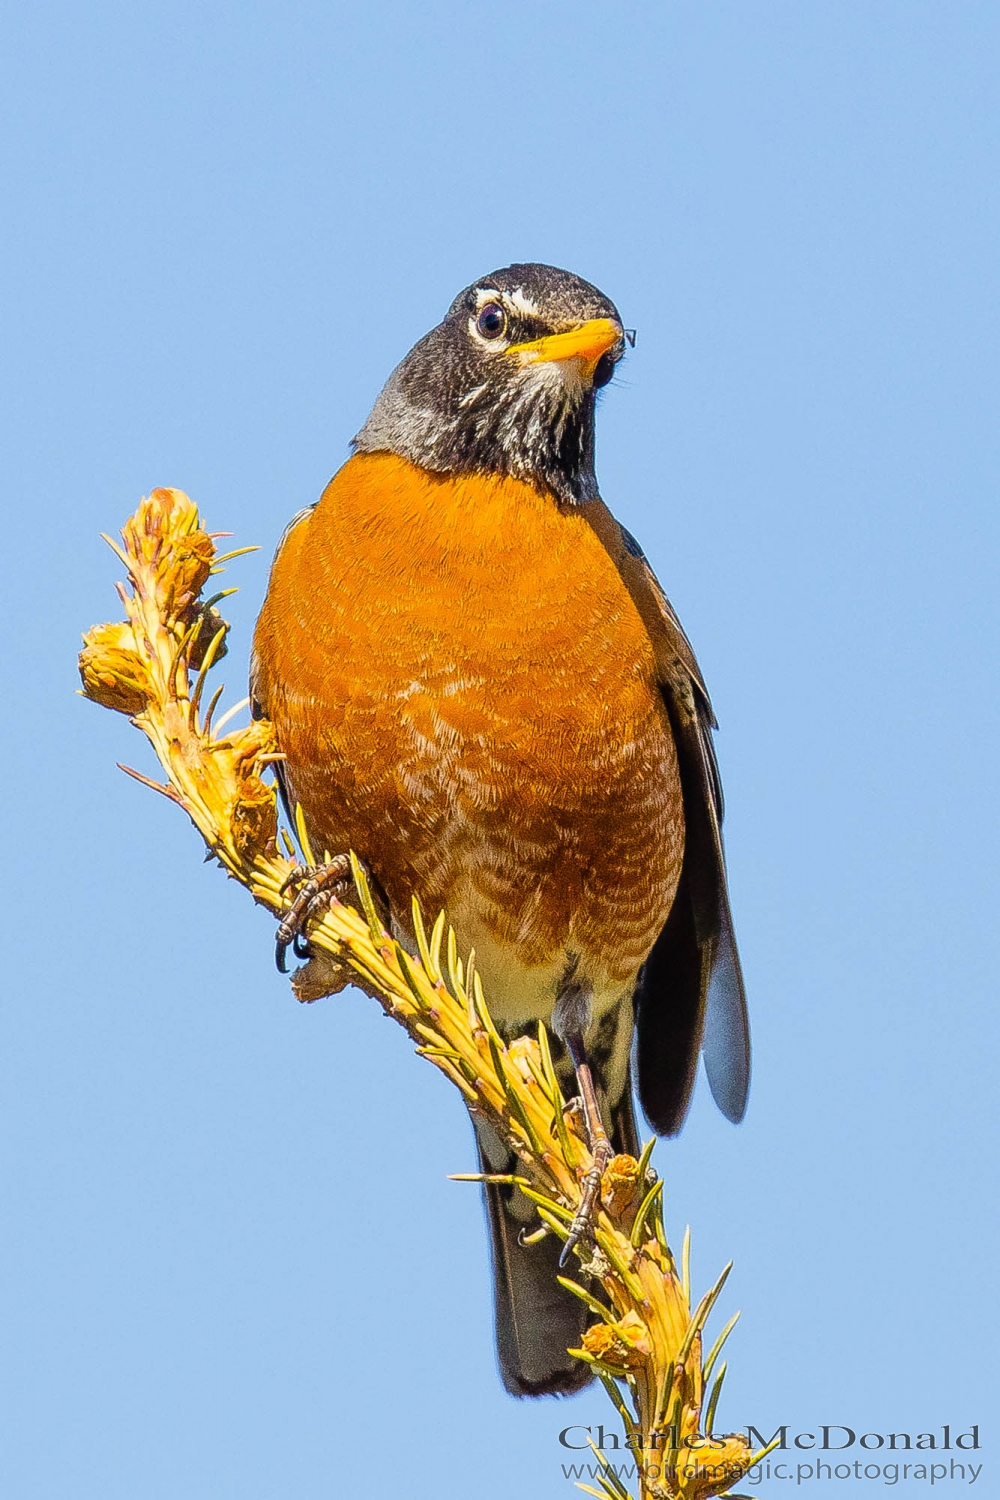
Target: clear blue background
{"points": [[232, 1268]]}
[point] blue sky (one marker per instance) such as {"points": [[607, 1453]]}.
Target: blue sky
{"points": [[232, 1266]]}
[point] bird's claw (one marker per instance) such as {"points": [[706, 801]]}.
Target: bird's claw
{"points": [[601, 1149], [574, 1111], [582, 1226], [316, 886]]}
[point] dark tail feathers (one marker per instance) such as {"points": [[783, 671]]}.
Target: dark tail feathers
{"points": [[536, 1320]]}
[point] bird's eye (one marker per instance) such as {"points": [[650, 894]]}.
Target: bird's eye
{"points": [[492, 321]]}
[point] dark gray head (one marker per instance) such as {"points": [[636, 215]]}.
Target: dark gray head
{"points": [[506, 383]]}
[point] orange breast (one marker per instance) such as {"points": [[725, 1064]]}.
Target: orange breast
{"points": [[466, 696]]}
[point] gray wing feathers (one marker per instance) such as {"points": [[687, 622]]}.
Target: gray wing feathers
{"points": [[726, 1040], [724, 1031], [726, 1037]]}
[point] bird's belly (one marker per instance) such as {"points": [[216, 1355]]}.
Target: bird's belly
{"points": [[561, 857], [555, 856], [484, 728]]}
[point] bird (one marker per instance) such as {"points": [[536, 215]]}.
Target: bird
{"points": [[478, 685]]}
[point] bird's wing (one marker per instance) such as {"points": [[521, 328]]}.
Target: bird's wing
{"points": [[690, 992]]}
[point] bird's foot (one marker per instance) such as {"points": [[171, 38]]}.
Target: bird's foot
{"points": [[315, 886], [582, 1227], [576, 1117], [601, 1150]]}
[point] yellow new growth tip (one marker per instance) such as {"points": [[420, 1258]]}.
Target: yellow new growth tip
{"points": [[646, 1344]]}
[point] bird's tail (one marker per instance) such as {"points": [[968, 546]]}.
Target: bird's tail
{"points": [[537, 1321]]}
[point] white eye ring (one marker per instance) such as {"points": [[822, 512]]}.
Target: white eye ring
{"points": [[491, 321]]}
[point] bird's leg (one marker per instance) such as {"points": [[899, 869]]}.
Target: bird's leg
{"points": [[316, 886], [601, 1148]]}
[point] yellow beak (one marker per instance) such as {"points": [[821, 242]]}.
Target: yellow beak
{"points": [[586, 343]]}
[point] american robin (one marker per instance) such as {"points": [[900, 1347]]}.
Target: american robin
{"points": [[479, 686]]}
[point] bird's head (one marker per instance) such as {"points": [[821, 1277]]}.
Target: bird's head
{"points": [[506, 384]]}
